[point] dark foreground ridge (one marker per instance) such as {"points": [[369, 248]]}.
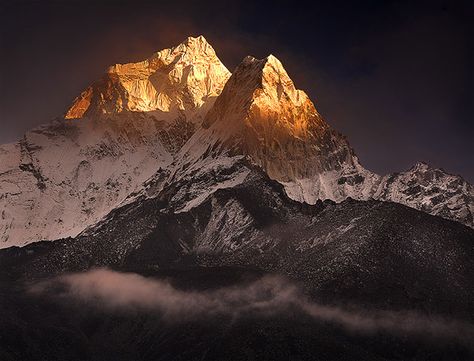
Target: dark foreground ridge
{"points": [[369, 258]]}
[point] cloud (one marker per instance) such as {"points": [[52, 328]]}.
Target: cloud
{"points": [[124, 290], [268, 295]]}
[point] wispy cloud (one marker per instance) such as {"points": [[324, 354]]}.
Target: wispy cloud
{"points": [[265, 296]]}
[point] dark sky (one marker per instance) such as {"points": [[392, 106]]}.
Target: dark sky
{"points": [[395, 77]]}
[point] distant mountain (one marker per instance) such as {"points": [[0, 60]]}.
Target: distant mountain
{"points": [[431, 190], [180, 115]]}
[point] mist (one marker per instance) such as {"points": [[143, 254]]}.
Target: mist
{"points": [[267, 296]]}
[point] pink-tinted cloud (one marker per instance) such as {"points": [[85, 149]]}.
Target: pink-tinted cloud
{"points": [[268, 295]]}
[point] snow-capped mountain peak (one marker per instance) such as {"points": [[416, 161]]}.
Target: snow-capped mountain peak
{"points": [[264, 87], [181, 78], [432, 190], [261, 115], [66, 175]]}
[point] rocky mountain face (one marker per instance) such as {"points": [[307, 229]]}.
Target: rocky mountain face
{"points": [[260, 114], [66, 175], [180, 119], [182, 78], [431, 190]]}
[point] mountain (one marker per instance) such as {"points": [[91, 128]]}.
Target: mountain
{"points": [[192, 214], [179, 117], [68, 174], [261, 115], [431, 190], [182, 78]]}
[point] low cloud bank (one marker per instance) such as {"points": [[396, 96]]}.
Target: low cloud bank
{"points": [[129, 290], [267, 295]]}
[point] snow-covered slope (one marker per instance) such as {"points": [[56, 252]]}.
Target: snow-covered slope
{"points": [[431, 190], [66, 175]]}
